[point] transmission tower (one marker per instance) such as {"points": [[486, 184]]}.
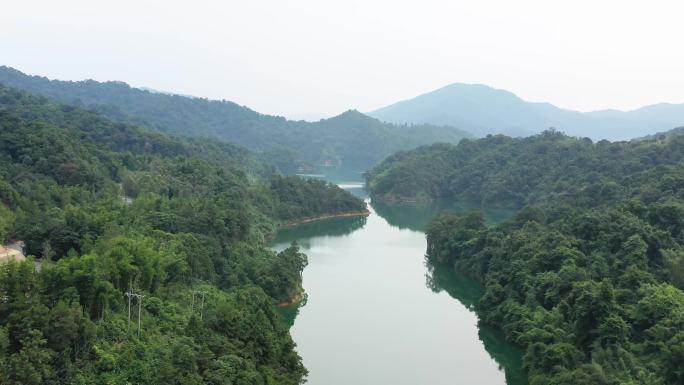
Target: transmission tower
{"points": [[139, 297], [198, 292]]}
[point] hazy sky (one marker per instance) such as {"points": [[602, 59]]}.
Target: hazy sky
{"points": [[297, 57]]}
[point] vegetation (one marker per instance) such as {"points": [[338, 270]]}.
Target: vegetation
{"points": [[351, 141], [513, 172], [593, 295], [108, 208], [588, 276]]}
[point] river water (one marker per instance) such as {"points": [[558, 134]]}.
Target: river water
{"points": [[376, 314]]}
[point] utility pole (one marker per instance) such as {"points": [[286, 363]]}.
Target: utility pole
{"points": [[139, 297], [129, 309], [198, 292]]}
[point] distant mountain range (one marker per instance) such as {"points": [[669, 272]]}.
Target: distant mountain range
{"points": [[347, 144], [483, 110], [352, 142]]}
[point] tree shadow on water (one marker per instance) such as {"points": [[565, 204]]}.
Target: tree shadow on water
{"points": [[468, 291], [417, 216], [303, 233]]}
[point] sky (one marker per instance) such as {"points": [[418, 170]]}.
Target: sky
{"points": [[317, 58]]}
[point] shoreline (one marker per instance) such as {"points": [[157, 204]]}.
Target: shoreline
{"points": [[393, 199], [295, 300], [396, 200], [364, 213]]}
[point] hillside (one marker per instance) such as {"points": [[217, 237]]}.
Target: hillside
{"points": [[587, 278], [109, 208], [593, 296], [512, 172], [352, 142], [678, 131], [483, 110]]}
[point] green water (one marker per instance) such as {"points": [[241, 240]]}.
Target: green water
{"points": [[376, 314]]}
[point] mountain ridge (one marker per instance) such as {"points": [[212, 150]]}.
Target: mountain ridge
{"points": [[351, 142], [482, 110]]}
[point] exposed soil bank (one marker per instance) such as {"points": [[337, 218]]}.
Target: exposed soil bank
{"points": [[363, 213], [296, 299], [393, 198]]}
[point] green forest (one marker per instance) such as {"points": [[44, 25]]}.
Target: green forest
{"points": [[341, 192], [107, 208], [500, 171], [349, 143], [148, 237], [588, 276]]}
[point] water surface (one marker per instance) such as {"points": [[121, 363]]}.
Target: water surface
{"points": [[376, 314]]}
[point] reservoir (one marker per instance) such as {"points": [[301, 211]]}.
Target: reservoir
{"points": [[375, 313]]}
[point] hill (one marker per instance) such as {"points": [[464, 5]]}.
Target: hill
{"points": [[513, 172], [351, 142], [587, 278], [107, 208], [678, 131], [483, 110]]}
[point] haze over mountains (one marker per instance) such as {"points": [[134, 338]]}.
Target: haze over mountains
{"points": [[349, 143], [352, 142], [483, 110]]}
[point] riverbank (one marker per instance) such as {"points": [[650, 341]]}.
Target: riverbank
{"points": [[426, 200], [366, 286], [301, 221], [296, 299], [399, 199]]}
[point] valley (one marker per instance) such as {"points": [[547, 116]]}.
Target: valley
{"points": [[376, 313], [259, 250]]}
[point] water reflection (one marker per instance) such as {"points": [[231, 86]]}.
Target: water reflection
{"points": [[288, 314], [417, 216], [303, 233], [468, 292], [371, 319]]}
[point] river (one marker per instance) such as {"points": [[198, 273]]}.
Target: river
{"points": [[376, 314]]}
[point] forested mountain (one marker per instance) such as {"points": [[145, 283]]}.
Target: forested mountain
{"points": [[679, 131], [588, 277], [351, 141], [511, 172], [110, 208], [483, 110]]}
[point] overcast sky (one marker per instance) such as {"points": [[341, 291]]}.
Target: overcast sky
{"points": [[301, 57]]}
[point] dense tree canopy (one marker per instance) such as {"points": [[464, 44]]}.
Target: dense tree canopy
{"points": [[588, 277], [590, 294], [504, 171], [106, 208], [352, 141]]}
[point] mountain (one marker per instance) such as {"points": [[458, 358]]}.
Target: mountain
{"points": [[483, 110], [109, 209], [351, 141], [588, 275]]}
